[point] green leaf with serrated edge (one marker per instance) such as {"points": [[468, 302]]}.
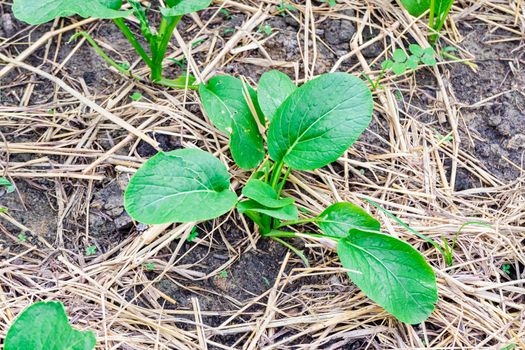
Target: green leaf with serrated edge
{"points": [[416, 50], [399, 56], [399, 68], [339, 218], [264, 194], [416, 7], [429, 60], [288, 212], [391, 273], [7, 184], [44, 326], [184, 185], [412, 62], [42, 11], [319, 121], [274, 88], [225, 104], [183, 7], [387, 64]]}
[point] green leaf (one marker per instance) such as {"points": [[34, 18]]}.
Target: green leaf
{"points": [[399, 56], [136, 96], [399, 68], [387, 64], [392, 273], [412, 62], [7, 184], [441, 10], [416, 50], [274, 88], [42, 11], [184, 185], [112, 4], [225, 104], [319, 121], [339, 218], [429, 60], [183, 7], [288, 212], [429, 51], [44, 326], [264, 194], [416, 7]]}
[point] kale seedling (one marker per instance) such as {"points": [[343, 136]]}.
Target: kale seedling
{"points": [[44, 326], [306, 128], [42, 11], [439, 10]]}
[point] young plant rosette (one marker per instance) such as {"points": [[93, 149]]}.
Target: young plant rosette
{"points": [[306, 128]]}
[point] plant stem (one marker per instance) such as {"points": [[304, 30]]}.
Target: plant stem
{"points": [[283, 182], [131, 38], [276, 173], [99, 51], [299, 253], [176, 84], [167, 26], [297, 222]]}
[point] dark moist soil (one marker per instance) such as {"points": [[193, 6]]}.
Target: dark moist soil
{"points": [[499, 124]]}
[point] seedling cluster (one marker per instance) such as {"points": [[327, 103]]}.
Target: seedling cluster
{"points": [[305, 128]]}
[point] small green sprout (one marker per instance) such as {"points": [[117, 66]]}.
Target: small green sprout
{"points": [[91, 250], [10, 188], [193, 234], [283, 7], [22, 237], [228, 31], [149, 266], [136, 96], [401, 62], [331, 3], [226, 13], [266, 29], [223, 274], [506, 268]]}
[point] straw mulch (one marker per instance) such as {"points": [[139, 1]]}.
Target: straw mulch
{"points": [[73, 138]]}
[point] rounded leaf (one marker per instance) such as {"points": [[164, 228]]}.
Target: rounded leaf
{"points": [[274, 88], [416, 50], [288, 212], [264, 194], [42, 11], [183, 7], [185, 185], [339, 218], [416, 7], [391, 273], [44, 326], [319, 121], [224, 101], [399, 55]]}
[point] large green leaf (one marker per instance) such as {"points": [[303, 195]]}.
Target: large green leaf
{"points": [[264, 194], [183, 7], [391, 273], [225, 104], [44, 326], [288, 212], [179, 186], [274, 88], [42, 11], [416, 7], [319, 121], [339, 218]]}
